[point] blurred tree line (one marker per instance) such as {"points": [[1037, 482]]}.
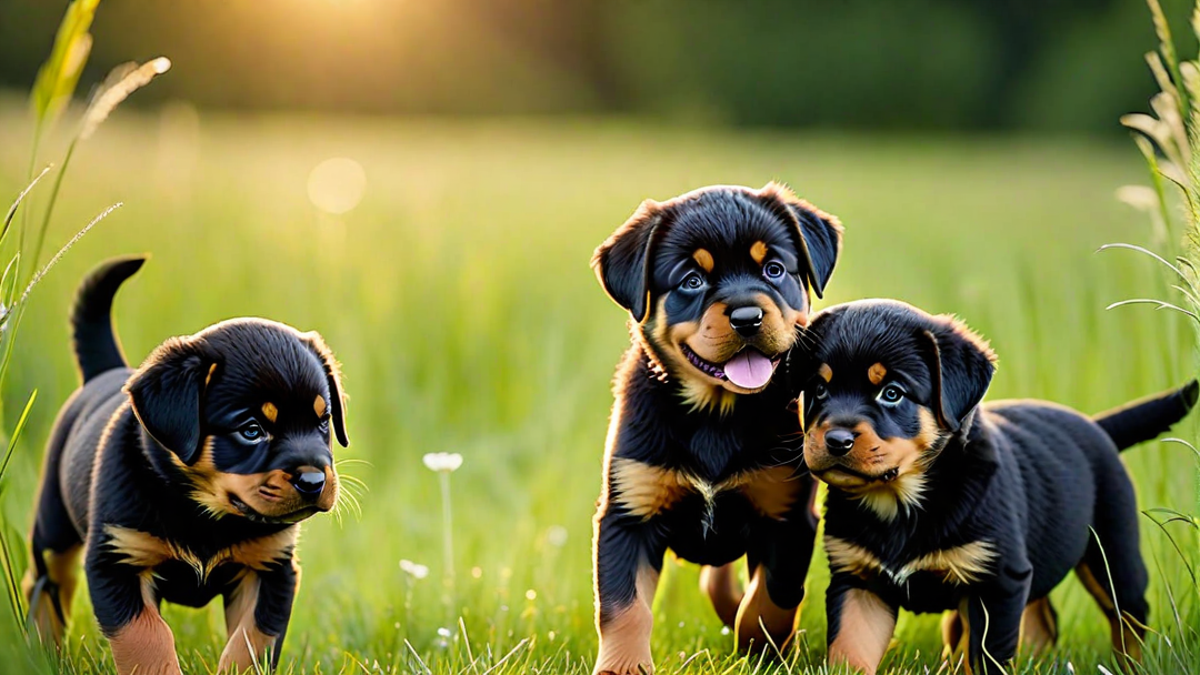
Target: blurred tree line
{"points": [[892, 64]]}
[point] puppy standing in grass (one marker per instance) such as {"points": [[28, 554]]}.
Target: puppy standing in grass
{"points": [[703, 456], [184, 480], [937, 503]]}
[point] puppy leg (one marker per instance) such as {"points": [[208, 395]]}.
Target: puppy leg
{"points": [[761, 622], [994, 619], [723, 588], [49, 587], [860, 625], [126, 606], [257, 610], [628, 559], [1039, 627], [1117, 557], [953, 631]]}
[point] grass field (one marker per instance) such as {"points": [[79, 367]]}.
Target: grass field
{"points": [[459, 298]]}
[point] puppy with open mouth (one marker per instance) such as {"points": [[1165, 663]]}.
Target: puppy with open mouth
{"points": [[184, 480], [939, 503], [703, 456]]}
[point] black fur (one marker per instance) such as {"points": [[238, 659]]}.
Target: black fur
{"points": [[671, 418], [1031, 480], [195, 454]]}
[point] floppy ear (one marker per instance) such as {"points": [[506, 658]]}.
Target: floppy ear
{"points": [[961, 365], [166, 394], [333, 375], [819, 234], [622, 261]]}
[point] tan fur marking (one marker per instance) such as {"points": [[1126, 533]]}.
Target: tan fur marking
{"points": [[644, 490], [724, 589], [147, 551], [958, 565], [865, 629], [758, 251], [758, 612], [319, 406], [851, 558], [270, 412], [772, 491], [145, 645], [952, 636], [625, 639], [825, 372], [876, 373], [208, 378], [704, 259], [1039, 629], [247, 647]]}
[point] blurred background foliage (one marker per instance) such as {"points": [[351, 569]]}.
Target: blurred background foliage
{"points": [[1056, 65]]}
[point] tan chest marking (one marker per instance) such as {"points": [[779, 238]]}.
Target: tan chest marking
{"points": [[140, 549], [645, 490], [959, 565]]}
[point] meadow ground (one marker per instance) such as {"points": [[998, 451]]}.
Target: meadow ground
{"points": [[459, 298]]}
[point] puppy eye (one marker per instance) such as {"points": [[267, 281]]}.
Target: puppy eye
{"points": [[773, 270], [252, 432], [692, 282], [820, 391], [891, 395]]}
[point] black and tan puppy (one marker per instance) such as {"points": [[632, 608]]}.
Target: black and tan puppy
{"points": [[184, 480], [938, 503], [703, 456]]}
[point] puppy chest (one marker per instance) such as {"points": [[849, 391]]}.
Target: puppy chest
{"points": [[933, 577], [646, 491]]}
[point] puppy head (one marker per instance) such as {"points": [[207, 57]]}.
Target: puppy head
{"points": [[245, 410], [885, 387], [718, 281]]}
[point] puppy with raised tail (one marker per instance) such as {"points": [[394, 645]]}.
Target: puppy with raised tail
{"points": [[703, 456], [937, 502], [184, 480]]}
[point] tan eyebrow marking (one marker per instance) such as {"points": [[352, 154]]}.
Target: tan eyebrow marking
{"points": [[270, 411], [876, 373], [319, 406], [208, 378], [704, 259], [825, 372], [758, 251]]}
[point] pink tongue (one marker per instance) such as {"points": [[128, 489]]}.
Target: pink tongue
{"points": [[749, 369]]}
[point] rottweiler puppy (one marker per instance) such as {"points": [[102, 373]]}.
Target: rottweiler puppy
{"points": [[937, 502], [184, 480], [703, 456]]}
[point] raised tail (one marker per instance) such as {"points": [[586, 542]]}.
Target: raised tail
{"points": [[96, 346], [1146, 418]]}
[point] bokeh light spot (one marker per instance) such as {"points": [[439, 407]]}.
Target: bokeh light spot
{"points": [[337, 185]]}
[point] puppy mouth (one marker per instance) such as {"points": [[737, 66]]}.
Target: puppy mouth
{"points": [[253, 515], [843, 476], [748, 369]]}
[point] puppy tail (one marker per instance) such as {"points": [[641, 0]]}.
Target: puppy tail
{"points": [[96, 347], [1146, 418]]}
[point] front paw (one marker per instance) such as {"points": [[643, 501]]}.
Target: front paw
{"points": [[624, 659]]}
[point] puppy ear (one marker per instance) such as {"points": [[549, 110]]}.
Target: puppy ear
{"points": [[961, 365], [333, 375], [622, 262], [819, 234], [166, 394]]}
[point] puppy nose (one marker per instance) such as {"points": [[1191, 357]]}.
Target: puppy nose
{"points": [[839, 441], [309, 482], [746, 320]]}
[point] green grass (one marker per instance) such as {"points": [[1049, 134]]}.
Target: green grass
{"points": [[459, 298]]}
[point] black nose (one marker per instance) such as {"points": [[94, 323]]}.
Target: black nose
{"points": [[839, 441], [746, 320], [309, 483]]}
